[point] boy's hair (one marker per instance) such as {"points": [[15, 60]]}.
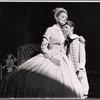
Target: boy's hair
{"points": [[70, 23]]}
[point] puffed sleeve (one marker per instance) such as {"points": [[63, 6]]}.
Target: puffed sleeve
{"points": [[45, 42]]}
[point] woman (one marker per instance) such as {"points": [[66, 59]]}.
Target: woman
{"points": [[48, 74], [77, 54]]}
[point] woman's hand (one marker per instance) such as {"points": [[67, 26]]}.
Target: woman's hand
{"points": [[55, 61], [50, 53]]}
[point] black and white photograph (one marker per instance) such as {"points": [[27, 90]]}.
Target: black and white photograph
{"points": [[50, 49]]}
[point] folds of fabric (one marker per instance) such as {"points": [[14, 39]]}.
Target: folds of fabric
{"points": [[40, 77], [49, 74]]}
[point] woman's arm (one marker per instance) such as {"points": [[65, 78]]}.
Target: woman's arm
{"points": [[45, 48], [45, 43]]}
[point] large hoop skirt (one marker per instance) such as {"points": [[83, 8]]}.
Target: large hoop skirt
{"points": [[40, 77]]}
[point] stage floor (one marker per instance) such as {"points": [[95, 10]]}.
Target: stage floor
{"points": [[47, 99]]}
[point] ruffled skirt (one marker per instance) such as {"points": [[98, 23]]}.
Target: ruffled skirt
{"points": [[42, 77]]}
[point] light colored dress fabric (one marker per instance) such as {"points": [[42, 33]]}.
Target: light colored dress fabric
{"points": [[48, 74]]}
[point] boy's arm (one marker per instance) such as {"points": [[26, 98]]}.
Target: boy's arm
{"points": [[82, 56], [82, 61]]}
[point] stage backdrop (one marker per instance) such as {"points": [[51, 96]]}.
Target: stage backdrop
{"points": [[22, 25]]}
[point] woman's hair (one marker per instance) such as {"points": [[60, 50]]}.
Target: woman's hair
{"points": [[70, 23], [58, 11]]}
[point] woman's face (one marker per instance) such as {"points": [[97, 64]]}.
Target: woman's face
{"points": [[62, 18]]}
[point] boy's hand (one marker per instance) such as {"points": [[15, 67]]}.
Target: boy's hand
{"points": [[81, 39], [80, 75]]}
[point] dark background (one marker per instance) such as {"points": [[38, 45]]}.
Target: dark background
{"points": [[26, 22]]}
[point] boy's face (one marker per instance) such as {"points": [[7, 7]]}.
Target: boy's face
{"points": [[68, 29]]}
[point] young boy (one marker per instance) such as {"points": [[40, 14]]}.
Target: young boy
{"points": [[75, 50]]}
